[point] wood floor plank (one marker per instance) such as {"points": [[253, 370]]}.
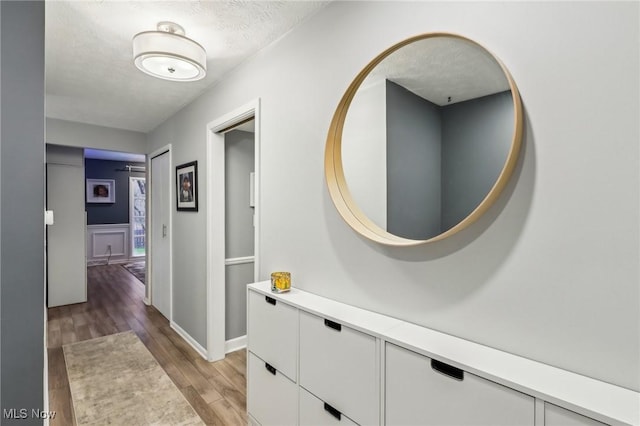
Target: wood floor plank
{"points": [[116, 314], [205, 367], [226, 413], [104, 323], [115, 303], [94, 331], [69, 337], [53, 314], [180, 343], [54, 338], [83, 332], [146, 320], [60, 402], [235, 360], [57, 368], [206, 413], [231, 374], [242, 355], [79, 318], [53, 323], [66, 324], [230, 393], [65, 311], [66, 327], [200, 383]]}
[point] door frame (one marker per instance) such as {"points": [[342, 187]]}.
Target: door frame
{"points": [[215, 234], [149, 249]]}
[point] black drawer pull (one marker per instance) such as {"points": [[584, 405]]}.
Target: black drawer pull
{"points": [[335, 413], [270, 300], [447, 370], [271, 369], [333, 324]]}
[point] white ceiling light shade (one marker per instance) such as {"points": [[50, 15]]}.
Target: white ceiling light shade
{"points": [[168, 54]]}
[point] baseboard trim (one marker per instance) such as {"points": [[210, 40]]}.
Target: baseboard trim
{"points": [[190, 340], [235, 344]]}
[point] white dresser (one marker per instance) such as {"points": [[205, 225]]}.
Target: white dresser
{"points": [[315, 361]]}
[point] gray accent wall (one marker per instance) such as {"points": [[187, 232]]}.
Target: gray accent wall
{"points": [[110, 213], [442, 160], [239, 162], [22, 165], [413, 164], [476, 137], [237, 277]]}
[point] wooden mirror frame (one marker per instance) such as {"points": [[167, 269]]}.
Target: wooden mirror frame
{"points": [[334, 173]]}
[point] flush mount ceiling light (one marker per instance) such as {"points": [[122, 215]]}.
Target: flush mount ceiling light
{"points": [[168, 54]]}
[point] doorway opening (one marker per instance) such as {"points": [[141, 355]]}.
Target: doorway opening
{"points": [[89, 194], [239, 158], [138, 215], [112, 223], [233, 225]]}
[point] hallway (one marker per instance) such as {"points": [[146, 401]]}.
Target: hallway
{"points": [[217, 391]]}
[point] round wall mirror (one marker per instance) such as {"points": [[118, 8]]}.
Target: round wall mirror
{"points": [[424, 140]]}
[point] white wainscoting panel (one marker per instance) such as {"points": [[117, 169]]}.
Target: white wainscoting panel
{"points": [[108, 243]]}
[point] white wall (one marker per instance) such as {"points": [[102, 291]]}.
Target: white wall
{"points": [[551, 272], [71, 133], [364, 151]]}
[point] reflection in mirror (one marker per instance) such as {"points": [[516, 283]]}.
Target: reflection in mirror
{"points": [[427, 135]]}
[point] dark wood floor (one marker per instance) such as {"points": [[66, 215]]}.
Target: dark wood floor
{"points": [[217, 391]]}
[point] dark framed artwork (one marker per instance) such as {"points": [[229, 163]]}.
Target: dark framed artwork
{"points": [[187, 186], [101, 191]]}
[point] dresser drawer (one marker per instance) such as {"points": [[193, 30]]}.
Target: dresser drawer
{"points": [[314, 411], [272, 398], [339, 365], [273, 332], [421, 392], [557, 416]]}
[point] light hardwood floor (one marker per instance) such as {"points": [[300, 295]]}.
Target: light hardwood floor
{"points": [[217, 391]]}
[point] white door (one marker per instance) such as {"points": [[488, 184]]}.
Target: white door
{"points": [[160, 234], [66, 241]]}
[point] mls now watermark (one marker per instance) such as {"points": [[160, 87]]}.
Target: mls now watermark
{"points": [[24, 413]]}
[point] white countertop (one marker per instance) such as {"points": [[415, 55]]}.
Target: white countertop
{"points": [[590, 397]]}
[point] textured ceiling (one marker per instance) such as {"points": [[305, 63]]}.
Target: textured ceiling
{"points": [[442, 67], [90, 75]]}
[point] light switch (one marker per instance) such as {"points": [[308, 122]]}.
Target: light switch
{"points": [[48, 217]]}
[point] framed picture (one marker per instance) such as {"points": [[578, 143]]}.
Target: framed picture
{"points": [[101, 191], [187, 186]]}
